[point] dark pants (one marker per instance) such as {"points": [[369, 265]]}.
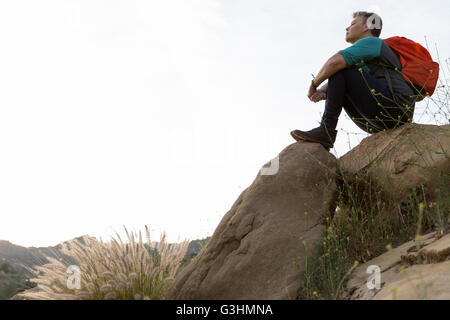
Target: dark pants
{"points": [[367, 102]]}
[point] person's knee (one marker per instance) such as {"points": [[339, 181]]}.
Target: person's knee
{"points": [[344, 73], [338, 76]]}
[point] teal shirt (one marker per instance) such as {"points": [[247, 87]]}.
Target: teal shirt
{"points": [[362, 50]]}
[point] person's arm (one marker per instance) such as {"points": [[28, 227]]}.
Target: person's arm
{"points": [[362, 50], [333, 65]]}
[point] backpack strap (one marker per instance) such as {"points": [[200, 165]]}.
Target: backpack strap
{"points": [[387, 77], [389, 83]]}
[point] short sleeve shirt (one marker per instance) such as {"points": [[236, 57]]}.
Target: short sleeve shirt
{"points": [[362, 50]]}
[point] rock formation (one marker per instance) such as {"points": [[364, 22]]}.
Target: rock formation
{"points": [[256, 250], [398, 160]]}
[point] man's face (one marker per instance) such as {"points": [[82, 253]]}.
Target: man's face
{"points": [[355, 31]]}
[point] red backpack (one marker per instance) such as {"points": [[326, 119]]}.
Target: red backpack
{"points": [[418, 68]]}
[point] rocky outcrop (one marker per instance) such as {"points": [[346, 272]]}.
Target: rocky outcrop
{"points": [[398, 163], [401, 159], [256, 250], [418, 269]]}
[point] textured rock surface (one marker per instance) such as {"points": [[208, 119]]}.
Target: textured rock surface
{"points": [[400, 159], [415, 270], [256, 251], [420, 282]]}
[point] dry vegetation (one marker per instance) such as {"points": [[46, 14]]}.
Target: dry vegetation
{"points": [[123, 270]]}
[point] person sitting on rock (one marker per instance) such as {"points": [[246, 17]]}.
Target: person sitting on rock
{"points": [[374, 100]]}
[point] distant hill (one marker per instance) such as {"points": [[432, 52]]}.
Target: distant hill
{"points": [[17, 264], [12, 281], [24, 259], [195, 246]]}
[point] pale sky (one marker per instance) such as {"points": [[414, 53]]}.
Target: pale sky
{"points": [[162, 112]]}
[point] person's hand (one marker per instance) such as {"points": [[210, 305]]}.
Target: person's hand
{"points": [[311, 91], [318, 96]]}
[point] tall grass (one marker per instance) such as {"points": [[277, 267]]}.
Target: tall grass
{"points": [[131, 270]]}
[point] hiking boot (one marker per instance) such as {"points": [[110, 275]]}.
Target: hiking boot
{"points": [[322, 135]]}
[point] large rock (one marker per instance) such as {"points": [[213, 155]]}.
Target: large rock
{"points": [[400, 159], [256, 252]]}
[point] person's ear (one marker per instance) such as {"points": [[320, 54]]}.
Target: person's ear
{"points": [[365, 28]]}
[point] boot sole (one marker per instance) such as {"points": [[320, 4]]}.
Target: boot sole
{"points": [[307, 139]]}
